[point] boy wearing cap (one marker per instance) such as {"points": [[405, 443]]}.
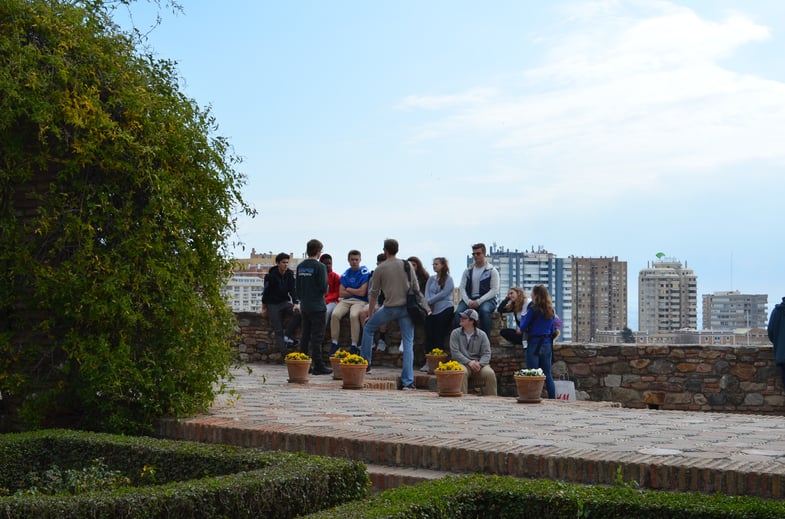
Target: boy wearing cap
{"points": [[472, 349]]}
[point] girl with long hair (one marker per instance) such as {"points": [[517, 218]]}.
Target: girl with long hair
{"points": [[438, 295], [514, 303], [540, 324]]}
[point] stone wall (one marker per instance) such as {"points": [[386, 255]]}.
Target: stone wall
{"points": [[676, 377]]}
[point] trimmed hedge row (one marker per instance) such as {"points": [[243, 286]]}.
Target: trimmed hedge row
{"points": [[504, 497], [191, 479]]}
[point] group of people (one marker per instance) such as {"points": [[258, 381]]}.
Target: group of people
{"points": [[372, 299]]}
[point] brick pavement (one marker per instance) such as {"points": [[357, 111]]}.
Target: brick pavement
{"points": [[409, 436]]}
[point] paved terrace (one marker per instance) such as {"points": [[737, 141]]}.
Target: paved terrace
{"points": [[410, 436]]}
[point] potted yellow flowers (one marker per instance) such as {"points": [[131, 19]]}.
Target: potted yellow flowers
{"points": [[298, 364], [353, 371], [335, 363], [449, 378], [433, 359]]}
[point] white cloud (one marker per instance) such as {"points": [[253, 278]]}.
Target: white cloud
{"points": [[624, 93]]}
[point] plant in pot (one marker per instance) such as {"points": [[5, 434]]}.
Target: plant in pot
{"points": [[298, 364], [335, 363], [449, 377], [353, 371], [529, 383], [433, 359]]}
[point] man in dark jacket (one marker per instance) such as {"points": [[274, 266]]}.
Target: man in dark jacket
{"points": [[776, 331], [279, 302], [312, 285]]}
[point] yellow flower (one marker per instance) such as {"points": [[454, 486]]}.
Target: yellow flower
{"points": [[453, 365], [437, 351], [353, 359], [341, 354], [296, 355]]}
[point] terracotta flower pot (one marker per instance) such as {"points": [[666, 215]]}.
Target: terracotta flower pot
{"points": [[335, 363], [449, 382], [433, 362], [298, 371], [353, 375], [529, 389]]}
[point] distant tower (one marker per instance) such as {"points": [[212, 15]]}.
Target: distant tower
{"points": [[732, 310], [599, 296], [667, 297]]}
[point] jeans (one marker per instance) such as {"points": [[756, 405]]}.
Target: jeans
{"points": [[484, 310], [383, 316], [540, 355]]}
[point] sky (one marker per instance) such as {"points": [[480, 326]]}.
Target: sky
{"points": [[589, 128]]}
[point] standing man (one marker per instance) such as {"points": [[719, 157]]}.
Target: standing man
{"points": [[279, 301], [776, 331], [472, 349], [479, 288], [354, 295], [312, 285], [393, 278]]}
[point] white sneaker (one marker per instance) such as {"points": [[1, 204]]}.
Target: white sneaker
{"points": [[400, 348], [424, 368], [381, 345]]}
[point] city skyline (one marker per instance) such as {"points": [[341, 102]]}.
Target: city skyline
{"points": [[591, 128]]}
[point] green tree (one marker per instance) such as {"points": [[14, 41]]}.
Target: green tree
{"points": [[117, 202], [627, 336]]}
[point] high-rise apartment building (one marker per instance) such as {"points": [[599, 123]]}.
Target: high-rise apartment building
{"points": [[599, 296], [526, 269], [667, 297], [244, 288], [732, 310]]}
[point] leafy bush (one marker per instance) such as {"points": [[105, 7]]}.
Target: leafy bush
{"points": [[116, 204], [190, 479], [502, 497]]}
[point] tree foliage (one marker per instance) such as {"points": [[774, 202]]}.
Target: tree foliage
{"points": [[627, 336], [116, 207]]}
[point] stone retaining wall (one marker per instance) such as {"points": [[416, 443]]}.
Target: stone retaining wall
{"points": [[683, 377]]}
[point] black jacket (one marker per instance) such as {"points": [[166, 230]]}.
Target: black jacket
{"points": [[279, 288]]}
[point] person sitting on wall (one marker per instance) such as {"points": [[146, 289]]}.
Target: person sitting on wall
{"points": [[514, 303], [279, 302], [354, 296], [479, 288]]}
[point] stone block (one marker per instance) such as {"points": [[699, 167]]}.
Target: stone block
{"points": [[613, 381]]}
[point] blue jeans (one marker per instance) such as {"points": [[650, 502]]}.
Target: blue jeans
{"points": [[384, 315], [542, 359], [484, 310]]}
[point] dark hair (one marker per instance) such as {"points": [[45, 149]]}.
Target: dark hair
{"points": [[541, 300], [353, 252], [479, 246], [324, 258], [391, 246], [381, 257], [313, 247], [280, 257], [419, 271], [442, 276]]}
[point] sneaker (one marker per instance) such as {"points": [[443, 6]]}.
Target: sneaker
{"points": [[424, 368], [368, 369], [381, 345], [291, 343], [409, 387], [354, 350], [324, 370]]}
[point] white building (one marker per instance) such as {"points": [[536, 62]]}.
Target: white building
{"points": [[243, 292], [667, 297]]}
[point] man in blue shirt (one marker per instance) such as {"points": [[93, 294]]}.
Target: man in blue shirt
{"points": [[354, 296]]}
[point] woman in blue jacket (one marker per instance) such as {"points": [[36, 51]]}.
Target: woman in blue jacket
{"points": [[539, 323]]}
